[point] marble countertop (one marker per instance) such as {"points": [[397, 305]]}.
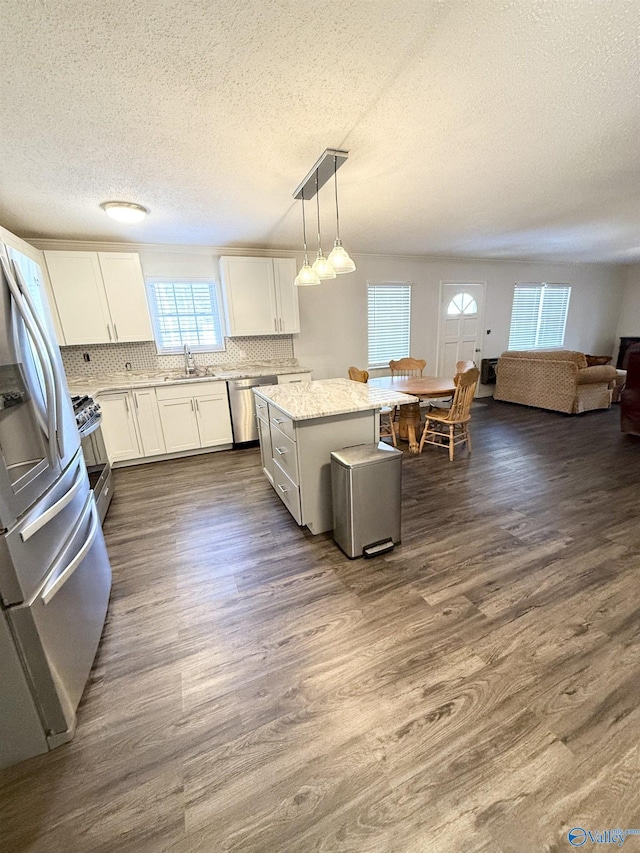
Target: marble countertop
{"points": [[303, 401], [117, 381]]}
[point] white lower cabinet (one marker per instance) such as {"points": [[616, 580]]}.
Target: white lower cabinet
{"points": [[119, 426], [214, 420], [191, 420], [149, 426], [179, 425]]}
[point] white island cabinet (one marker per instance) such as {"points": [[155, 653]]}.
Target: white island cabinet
{"points": [[302, 423], [260, 297]]}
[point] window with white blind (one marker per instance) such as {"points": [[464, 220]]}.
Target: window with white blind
{"points": [[389, 306], [185, 312], [539, 316]]}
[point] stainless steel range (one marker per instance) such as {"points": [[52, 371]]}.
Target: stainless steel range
{"points": [[88, 418]]}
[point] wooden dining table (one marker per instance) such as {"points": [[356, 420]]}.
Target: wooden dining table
{"points": [[425, 387]]}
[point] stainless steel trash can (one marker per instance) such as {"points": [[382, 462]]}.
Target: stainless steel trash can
{"points": [[365, 485]]}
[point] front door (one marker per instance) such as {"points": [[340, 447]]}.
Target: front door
{"points": [[460, 324]]}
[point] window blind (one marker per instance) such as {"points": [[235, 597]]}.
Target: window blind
{"points": [[539, 316], [389, 309], [185, 312]]}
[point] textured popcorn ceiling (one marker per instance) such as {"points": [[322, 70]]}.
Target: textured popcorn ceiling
{"points": [[487, 129]]}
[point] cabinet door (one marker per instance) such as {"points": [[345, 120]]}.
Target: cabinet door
{"points": [[118, 426], [249, 296], [76, 282], [286, 295], [179, 424], [126, 296], [264, 433], [149, 425], [214, 421]]}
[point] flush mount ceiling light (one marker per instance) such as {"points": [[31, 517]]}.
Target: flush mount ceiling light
{"points": [[124, 211], [326, 167], [307, 276]]}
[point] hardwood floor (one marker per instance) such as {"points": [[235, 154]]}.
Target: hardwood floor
{"points": [[477, 690]]}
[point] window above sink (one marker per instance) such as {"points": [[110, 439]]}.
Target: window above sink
{"points": [[186, 311]]}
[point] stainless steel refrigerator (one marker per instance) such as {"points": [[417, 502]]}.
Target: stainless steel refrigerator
{"points": [[55, 576]]}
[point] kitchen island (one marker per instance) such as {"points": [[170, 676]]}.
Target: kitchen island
{"points": [[301, 424]]}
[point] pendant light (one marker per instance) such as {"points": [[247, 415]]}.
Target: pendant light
{"points": [[307, 275], [338, 257], [321, 265]]}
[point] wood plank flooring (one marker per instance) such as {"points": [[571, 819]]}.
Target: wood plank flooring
{"points": [[478, 689]]}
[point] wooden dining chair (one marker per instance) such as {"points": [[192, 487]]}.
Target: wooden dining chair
{"points": [[462, 367], [450, 428], [407, 367], [386, 412], [357, 375]]}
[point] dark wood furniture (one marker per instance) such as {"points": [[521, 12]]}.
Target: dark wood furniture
{"points": [[630, 396], [625, 343]]}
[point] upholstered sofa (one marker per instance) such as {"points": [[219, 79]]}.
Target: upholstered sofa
{"points": [[553, 379]]}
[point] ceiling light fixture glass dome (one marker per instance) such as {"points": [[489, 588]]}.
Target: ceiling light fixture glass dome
{"points": [[125, 211]]}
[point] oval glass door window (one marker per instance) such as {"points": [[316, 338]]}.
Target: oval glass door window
{"points": [[462, 303]]}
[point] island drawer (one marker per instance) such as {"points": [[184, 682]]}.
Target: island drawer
{"points": [[262, 409], [283, 451], [282, 422], [287, 491]]}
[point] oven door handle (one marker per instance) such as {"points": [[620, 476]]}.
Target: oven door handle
{"points": [[28, 531], [44, 361], [54, 585]]}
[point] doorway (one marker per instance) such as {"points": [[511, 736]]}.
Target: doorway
{"points": [[460, 324]]}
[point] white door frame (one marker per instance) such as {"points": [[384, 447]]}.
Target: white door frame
{"points": [[443, 282]]}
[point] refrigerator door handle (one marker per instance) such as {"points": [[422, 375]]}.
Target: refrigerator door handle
{"points": [[56, 583], [54, 509], [57, 380], [37, 343]]}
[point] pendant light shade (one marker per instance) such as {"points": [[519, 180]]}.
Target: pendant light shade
{"points": [[306, 275], [338, 257], [321, 265]]}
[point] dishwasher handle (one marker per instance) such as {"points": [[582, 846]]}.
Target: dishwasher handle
{"points": [[236, 385]]}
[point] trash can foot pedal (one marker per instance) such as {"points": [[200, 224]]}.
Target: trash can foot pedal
{"points": [[377, 548]]}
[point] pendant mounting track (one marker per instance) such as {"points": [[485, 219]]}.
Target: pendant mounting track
{"points": [[324, 169]]}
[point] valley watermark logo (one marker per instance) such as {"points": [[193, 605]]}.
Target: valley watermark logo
{"points": [[578, 836]]}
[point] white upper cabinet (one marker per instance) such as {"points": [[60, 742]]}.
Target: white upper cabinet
{"points": [[260, 297], [126, 296], [100, 297]]}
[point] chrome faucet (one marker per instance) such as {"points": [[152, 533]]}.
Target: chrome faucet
{"points": [[189, 363]]}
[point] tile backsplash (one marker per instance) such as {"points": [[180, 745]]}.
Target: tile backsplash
{"points": [[107, 358]]}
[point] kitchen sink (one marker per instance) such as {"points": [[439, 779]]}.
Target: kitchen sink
{"points": [[181, 377]]}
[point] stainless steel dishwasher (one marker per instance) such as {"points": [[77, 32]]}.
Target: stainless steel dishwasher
{"points": [[243, 407]]}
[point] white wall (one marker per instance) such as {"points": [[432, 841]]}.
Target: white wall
{"points": [[334, 314], [629, 319]]}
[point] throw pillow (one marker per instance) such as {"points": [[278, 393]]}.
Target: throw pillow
{"points": [[593, 360]]}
